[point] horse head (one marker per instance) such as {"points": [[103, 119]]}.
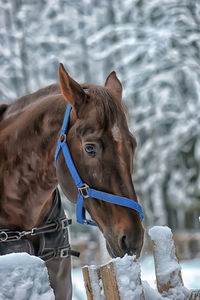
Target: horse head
{"points": [[102, 149]]}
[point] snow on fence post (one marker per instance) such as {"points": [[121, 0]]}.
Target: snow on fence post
{"points": [[117, 280], [91, 277], [167, 267], [100, 282]]}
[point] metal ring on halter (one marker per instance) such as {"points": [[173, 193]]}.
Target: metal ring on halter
{"points": [[3, 236], [63, 138], [84, 190]]}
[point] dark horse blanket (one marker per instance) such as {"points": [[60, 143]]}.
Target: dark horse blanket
{"points": [[59, 268], [53, 248]]}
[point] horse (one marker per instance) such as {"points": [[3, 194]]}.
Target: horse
{"points": [[102, 149]]}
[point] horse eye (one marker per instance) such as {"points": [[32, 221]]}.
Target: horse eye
{"points": [[91, 150]]}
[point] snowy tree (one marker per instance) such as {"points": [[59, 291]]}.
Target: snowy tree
{"points": [[154, 47]]}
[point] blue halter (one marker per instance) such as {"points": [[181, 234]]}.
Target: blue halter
{"points": [[84, 191]]}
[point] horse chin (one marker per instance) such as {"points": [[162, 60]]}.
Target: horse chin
{"points": [[113, 251]]}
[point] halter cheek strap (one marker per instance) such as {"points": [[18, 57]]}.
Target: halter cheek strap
{"points": [[84, 191]]}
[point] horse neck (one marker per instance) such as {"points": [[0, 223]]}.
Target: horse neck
{"points": [[28, 175], [22, 103]]}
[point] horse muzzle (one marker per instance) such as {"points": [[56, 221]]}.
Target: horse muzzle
{"points": [[126, 242]]}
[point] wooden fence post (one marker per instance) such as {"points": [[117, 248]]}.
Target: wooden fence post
{"points": [[91, 277], [109, 281], [110, 286]]}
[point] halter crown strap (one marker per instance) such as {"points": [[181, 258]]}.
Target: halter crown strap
{"points": [[84, 191]]}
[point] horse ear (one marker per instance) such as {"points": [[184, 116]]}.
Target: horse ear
{"points": [[71, 90], [114, 84]]}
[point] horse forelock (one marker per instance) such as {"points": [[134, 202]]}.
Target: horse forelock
{"points": [[108, 108]]}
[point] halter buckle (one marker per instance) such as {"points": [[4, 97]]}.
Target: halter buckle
{"points": [[84, 190]]}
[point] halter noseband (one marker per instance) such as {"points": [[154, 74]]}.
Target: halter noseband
{"points": [[84, 191]]}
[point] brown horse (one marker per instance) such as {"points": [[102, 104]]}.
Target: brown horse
{"points": [[102, 149]]}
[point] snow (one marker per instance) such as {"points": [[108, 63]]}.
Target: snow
{"points": [[165, 254], [96, 286], [190, 273], [168, 269], [154, 47], [149, 293], [128, 277], [24, 277]]}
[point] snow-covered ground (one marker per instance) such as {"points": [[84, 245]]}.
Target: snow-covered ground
{"points": [[190, 272]]}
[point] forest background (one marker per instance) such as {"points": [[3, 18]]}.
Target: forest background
{"points": [[154, 46]]}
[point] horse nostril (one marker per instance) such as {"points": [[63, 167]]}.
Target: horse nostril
{"points": [[123, 244]]}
